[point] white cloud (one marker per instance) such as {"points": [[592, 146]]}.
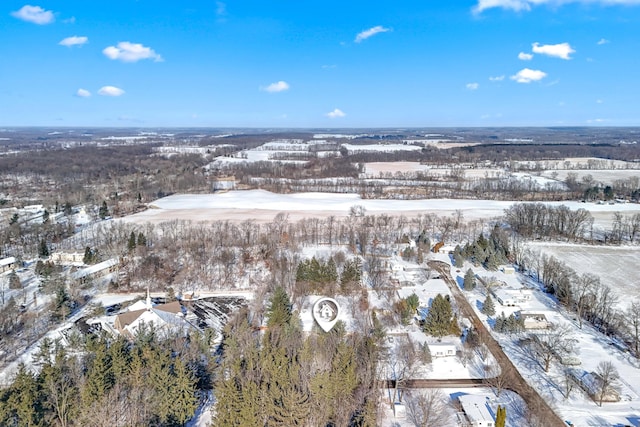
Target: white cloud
{"points": [[363, 35], [335, 114], [110, 91], [525, 56], [130, 52], [83, 93], [496, 78], [525, 5], [560, 50], [472, 86], [527, 75], [280, 86], [34, 14], [603, 41], [74, 41]]}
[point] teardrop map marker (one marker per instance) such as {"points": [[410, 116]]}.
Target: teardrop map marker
{"points": [[326, 311]]}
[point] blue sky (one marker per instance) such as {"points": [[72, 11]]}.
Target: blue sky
{"points": [[292, 63]]}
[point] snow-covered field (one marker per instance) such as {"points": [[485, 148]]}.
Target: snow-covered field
{"points": [[615, 265], [262, 205], [607, 176]]}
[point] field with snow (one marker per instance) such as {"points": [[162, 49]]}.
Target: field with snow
{"points": [[263, 206], [615, 265]]}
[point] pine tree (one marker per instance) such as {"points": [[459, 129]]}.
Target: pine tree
{"points": [[279, 312], [182, 392], [142, 240], [103, 212], [469, 282], [43, 249], [14, 280], [131, 244], [439, 318], [488, 307]]}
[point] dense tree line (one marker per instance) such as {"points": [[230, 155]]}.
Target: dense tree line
{"points": [[110, 383], [282, 377], [541, 221]]}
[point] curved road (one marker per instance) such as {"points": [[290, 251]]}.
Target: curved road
{"points": [[516, 382]]}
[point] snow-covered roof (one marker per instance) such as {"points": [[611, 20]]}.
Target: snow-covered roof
{"points": [[7, 261], [475, 407], [94, 268]]}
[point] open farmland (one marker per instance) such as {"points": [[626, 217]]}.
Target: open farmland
{"points": [[263, 206], [615, 265]]}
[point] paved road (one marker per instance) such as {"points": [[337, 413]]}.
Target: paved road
{"points": [[536, 404]]}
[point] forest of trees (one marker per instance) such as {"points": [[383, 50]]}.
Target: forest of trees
{"points": [[283, 377], [105, 382]]}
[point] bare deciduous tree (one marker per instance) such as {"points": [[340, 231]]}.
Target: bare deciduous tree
{"points": [[556, 342], [609, 377], [427, 409]]}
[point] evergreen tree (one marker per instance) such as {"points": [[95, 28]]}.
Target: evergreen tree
{"points": [[439, 318], [43, 249], [14, 280], [24, 402], [183, 393], [488, 307], [501, 416], [45, 216], [14, 219], [131, 243], [90, 256], [103, 212], [279, 312], [331, 271], [469, 282], [142, 240]]}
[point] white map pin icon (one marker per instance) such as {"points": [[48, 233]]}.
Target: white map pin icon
{"points": [[326, 311]]}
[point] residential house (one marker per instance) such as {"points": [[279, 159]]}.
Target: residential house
{"points": [[512, 297], [162, 317], [7, 264], [442, 350], [476, 410]]}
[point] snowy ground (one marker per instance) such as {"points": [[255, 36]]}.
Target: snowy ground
{"points": [[263, 206], [615, 265], [592, 348], [514, 404]]}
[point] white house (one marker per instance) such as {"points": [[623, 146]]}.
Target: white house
{"points": [[476, 409], [512, 297], [442, 350], [7, 264], [163, 317]]}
